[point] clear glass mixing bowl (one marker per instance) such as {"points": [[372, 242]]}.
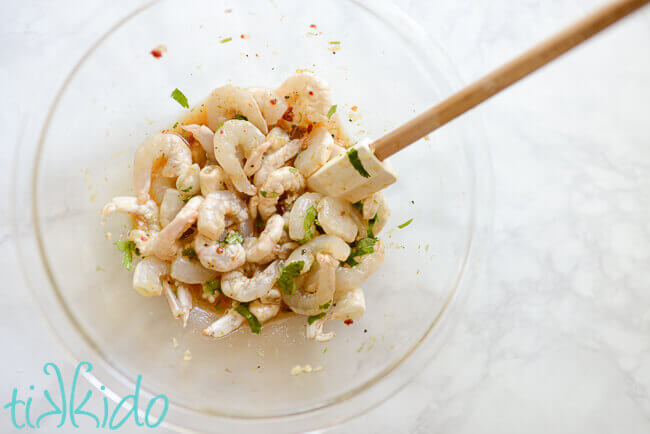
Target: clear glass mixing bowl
{"points": [[118, 93]]}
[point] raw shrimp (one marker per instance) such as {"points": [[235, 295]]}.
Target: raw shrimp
{"points": [[349, 304], [253, 202], [308, 95], [170, 206], [298, 213], [180, 303], [146, 214], [278, 138], [275, 139], [336, 217], [170, 146], [203, 135], [191, 271], [271, 105], [272, 297], [216, 207], [233, 139], [159, 185], [319, 148], [352, 277], [284, 250], [188, 183], [275, 160], [279, 181], [321, 280], [315, 331], [263, 311], [328, 244], [228, 323], [215, 256], [147, 275], [165, 244], [228, 101], [262, 250], [212, 178], [375, 205], [239, 287], [143, 241]]}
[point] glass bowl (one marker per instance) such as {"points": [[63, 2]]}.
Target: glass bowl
{"points": [[374, 58]]}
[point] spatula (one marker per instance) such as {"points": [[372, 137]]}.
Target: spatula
{"points": [[362, 170]]}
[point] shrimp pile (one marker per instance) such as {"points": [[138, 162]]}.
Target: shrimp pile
{"points": [[222, 212]]}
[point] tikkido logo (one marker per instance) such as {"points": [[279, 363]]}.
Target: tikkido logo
{"points": [[64, 407]]}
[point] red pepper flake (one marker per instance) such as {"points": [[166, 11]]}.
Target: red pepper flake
{"points": [[309, 128], [228, 371], [156, 53], [311, 93], [365, 330], [242, 36], [228, 11], [313, 26], [219, 250], [354, 108], [348, 322], [288, 115], [258, 366], [274, 101]]}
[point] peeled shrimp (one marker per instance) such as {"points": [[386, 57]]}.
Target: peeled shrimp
{"points": [[308, 95], [348, 304], [187, 270], [229, 100], [147, 275], [146, 214], [180, 303], [203, 135], [226, 324], [278, 182], [272, 297], [284, 250], [219, 257], [170, 206], [328, 244], [165, 244], [262, 250], [216, 207], [143, 241], [335, 216], [170, 146], [262, 311], [159, 185], [234, 138], [275, 160], [212, 178], [239, 287], [298, 212], [352, 277], [275, 139], [315, 331], [271, 105], [187, 182], [321, 280], [376, 205], [318, 151]]}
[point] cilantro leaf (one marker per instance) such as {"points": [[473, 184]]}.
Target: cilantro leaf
{"points": [[331, 111], [358, 206], [371, 226], [212, 286], [180, 98], [310, 218], [362, 247], [353, 156], [268, 193], [326, 305], [233, 237], [240, 117], [225, 40], [242, 309], [287, 274], [127, 248], [313, 318], [405, 224]]}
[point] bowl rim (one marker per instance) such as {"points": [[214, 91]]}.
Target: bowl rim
{"points": [[333, 411]]}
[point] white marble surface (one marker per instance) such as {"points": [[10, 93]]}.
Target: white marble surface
{"points": [[557, 337]]}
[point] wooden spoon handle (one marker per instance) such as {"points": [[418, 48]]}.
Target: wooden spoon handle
{"points": [[502, 77]]}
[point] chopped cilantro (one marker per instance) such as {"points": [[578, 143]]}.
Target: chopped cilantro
{"points": [[353, 156], [335, 42], [331, 111], [127, 248], [189, 252], [326, 305], [186, 190], [259, 223], [405, 224], [212, 286], [175, 125], [287, 274], [242, 309], [358, 206], [310, 217], [233, 237], [313, 318], [268, 193], [219, 126], [293, 170], [240, 117], [362, 247], [180, 98], [371, 226], [223, 41]]}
